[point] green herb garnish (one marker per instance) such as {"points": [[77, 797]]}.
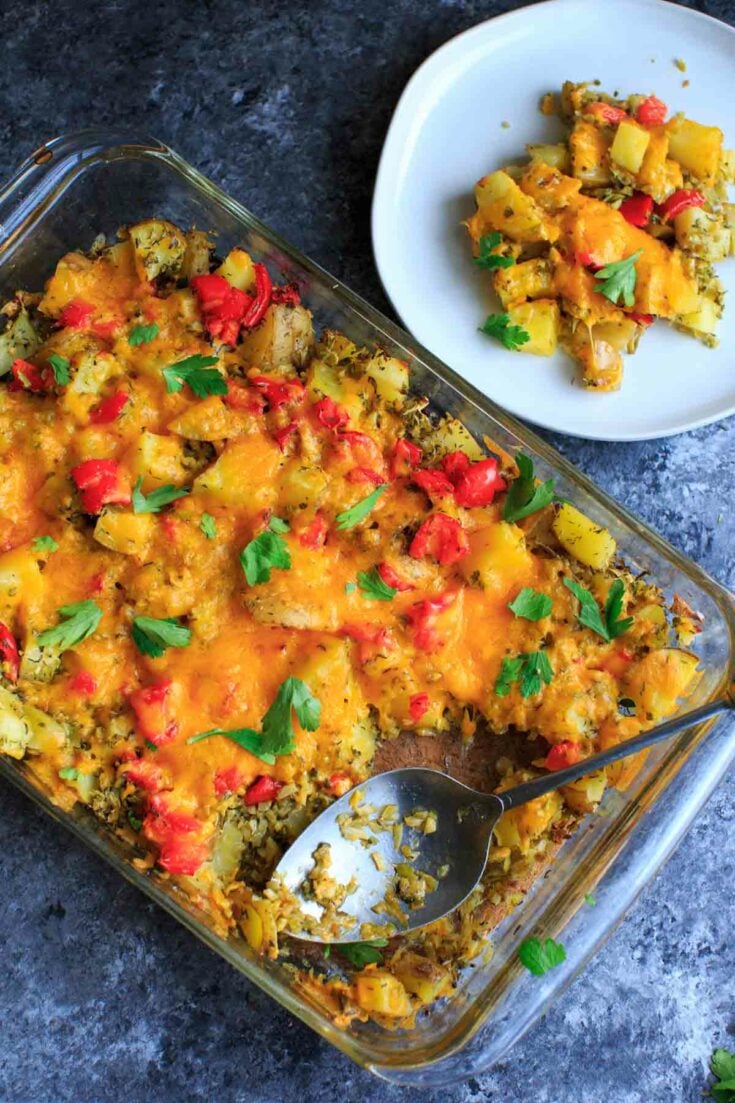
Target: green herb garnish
{"points": [[539, 957], [487, 257], [80, 620], [372, 586], [208, 525], [722, 1064], [350, 587], [264, 552], [610, 625], [361, 954], [590, 900], [531, 670], [60, 367], [152, 636], [618, 280], [45, 543], [524, 495], [69, 773], [530, 604], [141, 335], [157, 499], [499, 327], [352, 516], [203, 379]]}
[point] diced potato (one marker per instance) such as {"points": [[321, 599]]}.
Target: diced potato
{"points": [[555, 155], [381, 993], [703, 234], [584, 795], [15, 732], [258, 926], [727, 166], [421, 977], [450, 435], [629, 146], [47, 734], [697, 148], [90, 371], [520, 827], [532, 279], [237, 268], [540, 319], [19, 340], [324, 379], [124, 532], [499, 559], [159, 460], [389, 375], [622, 334], [704, 321], [653, 175], [228, 849], [302, 486], [503, 206], [159, 248], [659, 680], [245, 473], [210, 419], [39, 664], [282, 341], [585, 540], [602, 364], [548, 186], [21, 581], [196, 257], [588, 146]]}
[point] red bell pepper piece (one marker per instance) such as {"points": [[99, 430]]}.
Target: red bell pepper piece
{"points": [[678, 201], [106, 330], [362, 448], [263, 295], [315, 534], [422, 620], [586, 260], [405, 457], [637, 210], [241, 397], [280, 436], [288, 293], [606, 112], [29, 377], [96, 584], [152, 708], [641, 319], [434, 483], [76, 315], [330, 414], [9, 656], [364, 475], [223, 306], [372, 638], [109, 409], [562, 755], [179, 851], [83, 683], [145, 774], [182, 856], [441, 537], [99, 484], [652, 112], [475, 484], [279, 392], [227, 780], [417, 706], [339, 783], [263, 789], [392, 578]]}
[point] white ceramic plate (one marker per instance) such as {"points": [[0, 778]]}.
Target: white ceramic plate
{"points": [[446, 133]]}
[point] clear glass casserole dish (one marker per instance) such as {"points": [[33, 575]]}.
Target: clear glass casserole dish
{"points": [[92, 182]]}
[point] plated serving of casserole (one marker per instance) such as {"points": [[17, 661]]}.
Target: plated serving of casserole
{"points": [[244, 564]]}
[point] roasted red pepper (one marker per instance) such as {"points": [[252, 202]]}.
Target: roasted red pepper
{"points": [[330, 414], [145, 774], [9, 656], [100, 484], [441, 537], [637, 210], [586, 260], [365, 475], [223, 306], [83, 683], [28, 377], [263, 789], [280, 436], [417, 706], [422, 620], [606, 112], [241, 397], [227, 780], [641, 319], [288, 293], [279, 392], [76, 315], [372, 638], [434, 483], [263, 295], [339, 784], [315, 534], [109, 409], [678, 201], [172, 831], [152, 708], [392, 578], [361, 448], [475, 484], [652, 112], [405, 457], [562, 755]]}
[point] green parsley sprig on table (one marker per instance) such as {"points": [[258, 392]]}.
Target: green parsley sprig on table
{"points": [[539, 957], [265, 552], [79, 621], [198, 373], [487, 257], [618, 280], [499, 327], [722, 1064], [608, 624]]}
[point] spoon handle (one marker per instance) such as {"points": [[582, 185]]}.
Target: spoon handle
{"points": [[511, 798]]}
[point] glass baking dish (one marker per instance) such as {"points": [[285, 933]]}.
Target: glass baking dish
{"points": [[94, 181]]}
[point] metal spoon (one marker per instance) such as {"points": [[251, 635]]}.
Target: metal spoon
{"points": [[460, 843]]}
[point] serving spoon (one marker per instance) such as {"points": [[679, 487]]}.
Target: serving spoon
{"points": [[454, 854]]}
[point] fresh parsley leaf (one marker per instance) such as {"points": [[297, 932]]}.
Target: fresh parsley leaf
{"points": [[499, 327], [352, 516], [350, 587], [157, 499], [361, 954], [618, 280], [531, 670], [609, 626], [277, 524], [524, 497], [589, 900], [722, 1064], [208, 525], [266, 551], [45, 543], [152, 636], [69, 773], [530, 604], [195, 370], [277, 735], [487, 257], [372, 586], [151, 745], [80, 620], [539, 957], [141, 335], [60, 367], [134, 822], [327, 951]]}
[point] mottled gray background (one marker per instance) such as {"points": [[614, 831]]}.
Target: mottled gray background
{"points": [[103, 997]]}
